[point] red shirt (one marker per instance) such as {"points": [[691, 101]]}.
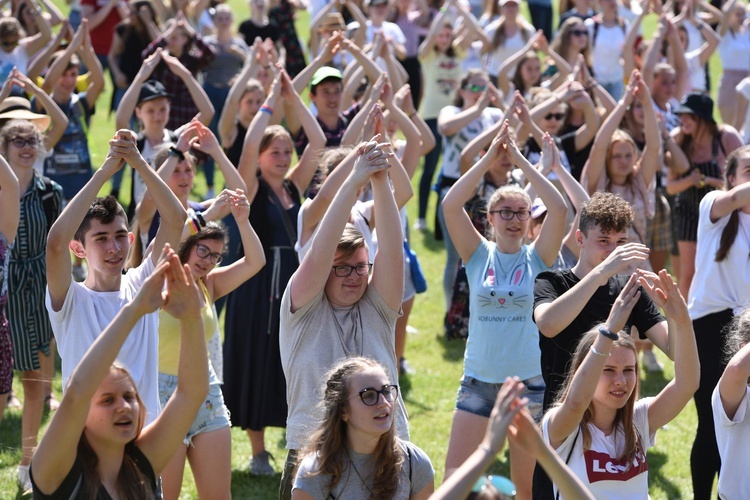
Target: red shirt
{"points": [[101, 36]]}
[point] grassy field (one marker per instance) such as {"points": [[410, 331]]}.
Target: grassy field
{"points": [[429, 393]]}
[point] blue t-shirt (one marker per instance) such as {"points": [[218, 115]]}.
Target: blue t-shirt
{"points": [[503, 339]]}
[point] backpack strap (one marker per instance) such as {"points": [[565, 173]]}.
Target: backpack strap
{"points": [[48, 202]]}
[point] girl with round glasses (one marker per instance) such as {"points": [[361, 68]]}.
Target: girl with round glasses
{"points": [[208, 443], [355, 453], [503, 340]]}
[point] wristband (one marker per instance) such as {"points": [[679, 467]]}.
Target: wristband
{"points": [[173, 151], [200, 219], [608, 333], [486, 449], [266, 109], [599, 353], [192, 225]]}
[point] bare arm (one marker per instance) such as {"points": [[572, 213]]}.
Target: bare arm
{"points": [[35, 43], [130, 99], [200, 98], [96, 73], [726, 13], [55, 72], [429, 42], [227, 121], [727, 202], [733, 383], [206, 141], [9, 196]]}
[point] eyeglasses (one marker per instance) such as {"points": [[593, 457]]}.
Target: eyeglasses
{"points": [[344, 271], [579, 32], [475, 88], [21, 142], [204, 252], [555, 116], [506, 214], [370, 396]]}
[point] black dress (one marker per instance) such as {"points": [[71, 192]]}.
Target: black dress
{"points": [[254, 383]]}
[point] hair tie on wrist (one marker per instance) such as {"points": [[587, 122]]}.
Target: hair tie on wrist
{"points": [[266, 109], [603, 330], [200, 219]]}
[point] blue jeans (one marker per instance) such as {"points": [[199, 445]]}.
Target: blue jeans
{"points": [[429, 167], [478, 398], [615, 88]]}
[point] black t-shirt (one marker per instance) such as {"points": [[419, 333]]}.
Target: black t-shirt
{"points": [[74, 487], [249, 31], [558, 351]]}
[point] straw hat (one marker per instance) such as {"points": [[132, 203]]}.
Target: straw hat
{"points": [[19, 108]]}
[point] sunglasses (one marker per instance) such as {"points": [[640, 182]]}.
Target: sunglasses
{"points": [[579, 32], [21, 142], [475, 87], [555, 116], [370, 396], [204, 252], [344, 271], [506, 214], [10, 44]]}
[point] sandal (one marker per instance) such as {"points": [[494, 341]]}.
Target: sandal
{"points": [[51, 403]]}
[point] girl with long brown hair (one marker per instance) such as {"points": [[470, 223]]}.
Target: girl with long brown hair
{"points": [[355, 450], [598, 422]]}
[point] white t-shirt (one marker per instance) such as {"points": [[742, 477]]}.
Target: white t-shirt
{"points": [[607, 50], [84, 316], [695, 71], [19, 58], [733, 439], [605, 475], [496, 57], [148, 153], [454, 144], [717, 286], [744, 88], [734, 49]]}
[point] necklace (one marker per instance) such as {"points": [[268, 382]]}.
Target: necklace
{"points": [[364, 485]]}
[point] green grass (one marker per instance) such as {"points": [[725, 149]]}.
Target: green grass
{"points": [[429, 394]]}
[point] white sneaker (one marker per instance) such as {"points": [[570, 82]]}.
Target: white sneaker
{"points": [[650, 363], [420, 225], [24, 479]]}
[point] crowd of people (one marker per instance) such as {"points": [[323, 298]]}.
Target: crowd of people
{"points": [[575, 166]]}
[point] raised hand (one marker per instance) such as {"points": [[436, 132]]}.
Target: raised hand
{"points": [[548, 153], [149, 64], [374, 124], [623, 305], [507, 406], [664, 292], [525, 434], [123, 146], [371, 159], [624, 259], [238, 204], [402, 98], [151, 297], [182, 299]]}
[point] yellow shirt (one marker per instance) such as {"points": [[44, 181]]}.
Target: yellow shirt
{"points": [[170, 334]]}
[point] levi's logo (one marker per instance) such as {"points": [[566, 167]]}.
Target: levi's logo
{"points": [[602, 467]]}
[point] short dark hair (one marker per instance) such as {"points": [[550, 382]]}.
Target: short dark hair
{"points": [[212, 231], [105, 210], [608, 211], [314, 88]]}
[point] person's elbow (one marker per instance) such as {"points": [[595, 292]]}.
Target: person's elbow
{"points": [[57, 243], [545, 325]]}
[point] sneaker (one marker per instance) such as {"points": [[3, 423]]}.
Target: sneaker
{"points": [[24, 479], [210, 193], [259, 465], [420, 225], [51, 403], [13, 402], [79, 272], [404, 368], [650, 363]]}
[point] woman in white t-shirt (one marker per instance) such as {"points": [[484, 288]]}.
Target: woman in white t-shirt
{"points": [[720, 290], [731, 406], [508, 34], [597, 423], [607, 31], [733, 51]]}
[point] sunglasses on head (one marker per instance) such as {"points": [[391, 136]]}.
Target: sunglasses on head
{"points": [[555, 116], [579, 32], [370, 396], [475, 88]]}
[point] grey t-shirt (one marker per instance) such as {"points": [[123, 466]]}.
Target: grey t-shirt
{"points": [[416, 473], [315, 337]]}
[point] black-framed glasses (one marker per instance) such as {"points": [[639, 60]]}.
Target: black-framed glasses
{"points": [[555, 116], [21, 142], [506, 214], [579, 32], [370, 396], [473, 87], [344, 271], [204, 252]]}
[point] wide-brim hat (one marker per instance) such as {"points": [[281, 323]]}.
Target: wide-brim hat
{"points": [[332, 21], [697, 104], [19, 108]]}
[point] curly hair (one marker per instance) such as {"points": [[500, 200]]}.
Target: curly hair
{"points": [[329, 443], [624, 415], [608, 211], [13, 128], [105, 210]]}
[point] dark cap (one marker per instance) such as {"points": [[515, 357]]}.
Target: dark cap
{"points": [[151, 90], [699, 105]]}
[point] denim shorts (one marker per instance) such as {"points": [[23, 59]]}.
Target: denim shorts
{"points": [[212, 414], [478, 398]]}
